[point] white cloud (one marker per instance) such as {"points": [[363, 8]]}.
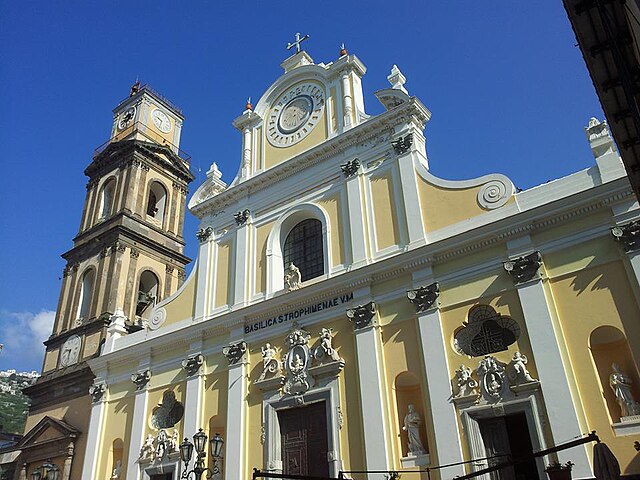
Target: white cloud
{"points": [[22, 334]]}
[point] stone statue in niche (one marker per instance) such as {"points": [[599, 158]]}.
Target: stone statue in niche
{"points": [[466, 384], [519, 373], [325, 350], [270, 365], [292, 277], [621, 385], [412, 423], [115, 475]]}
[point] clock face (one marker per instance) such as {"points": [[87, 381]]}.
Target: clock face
{"points": [[70, 351], [294, 114], [161, 121], [126, 117]]}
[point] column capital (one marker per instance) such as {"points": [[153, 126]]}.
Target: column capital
{"points": [[235, 352], [525, 268], [192, 364], [425, 297], [628, 235], [141, 379], [362, 315], [350, 168], [97, 391], [241, 217]]}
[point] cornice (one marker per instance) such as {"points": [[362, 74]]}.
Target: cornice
{"points": [[328, 149]]}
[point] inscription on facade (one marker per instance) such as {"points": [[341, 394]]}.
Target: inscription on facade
{"points": [[298, 313]]}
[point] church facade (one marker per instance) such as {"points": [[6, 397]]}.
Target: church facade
{"points": [[351, 312]]}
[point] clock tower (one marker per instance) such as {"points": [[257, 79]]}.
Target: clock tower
{"points": [[127, 256]]}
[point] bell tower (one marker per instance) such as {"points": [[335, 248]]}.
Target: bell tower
{"points": [[127, 255]]}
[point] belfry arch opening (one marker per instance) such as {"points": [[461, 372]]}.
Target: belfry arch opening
{"points": [[106, 198], [147, 297], [156, 201], [86, 294]]}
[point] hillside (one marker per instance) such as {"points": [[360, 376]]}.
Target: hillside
{"points": [[13, 404]]}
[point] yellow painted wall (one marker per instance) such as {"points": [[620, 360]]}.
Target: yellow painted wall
{"points": [[385, 212], [117, 425], [591, 297], [223, 275], [182, 305], [333, 208]]}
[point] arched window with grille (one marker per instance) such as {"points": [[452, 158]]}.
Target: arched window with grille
{"points": [[304, 248]]}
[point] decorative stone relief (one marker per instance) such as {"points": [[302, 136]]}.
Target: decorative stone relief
{"points": [[235, 352], [523, 268], [492, 378], [402, 144], [192, 364], [167, 413], [156, 448], [325, 351], [628, 235], [518, 372], [620, 383], [350, 168], [292, 278], [203, 234], [241, 217], [362, 315], [466, 384], [424, 297], [157, 318], [494, 194], [340, 417], [297, 363], [141, 378], [270, 364], [97, 391]]}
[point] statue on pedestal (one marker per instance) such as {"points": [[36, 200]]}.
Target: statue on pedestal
{"points": [[620, 383], [412, 422]]}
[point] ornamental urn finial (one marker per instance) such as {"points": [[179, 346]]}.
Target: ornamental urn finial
{"points": [[248, 106], [343, 50]]}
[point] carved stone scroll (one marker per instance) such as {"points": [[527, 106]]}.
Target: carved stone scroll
{"points": [[628, 235], [235, 352], [141, 378], [362, 315], [523, 268], [97, 391], [192, 364], [203, 234], [350, 168], [241, 217]]}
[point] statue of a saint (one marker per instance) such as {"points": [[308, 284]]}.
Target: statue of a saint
{"points": [[412, 422], [115, 475], [325, 349], [269, 363], [292, 277], [621, 385]]}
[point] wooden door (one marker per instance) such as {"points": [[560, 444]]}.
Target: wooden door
{"points": [[496, 442], [303, 434]]}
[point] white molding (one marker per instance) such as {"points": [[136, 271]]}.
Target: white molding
{"points": [[354, 221], [136, 438], [94, 437], [235, 443]]}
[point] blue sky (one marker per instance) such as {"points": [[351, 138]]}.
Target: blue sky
{"points": [[506, 84]]}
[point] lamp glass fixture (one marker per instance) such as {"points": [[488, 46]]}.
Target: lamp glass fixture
{"points": [[186, 450], [216, 445], [200, 441], [36, 474]]}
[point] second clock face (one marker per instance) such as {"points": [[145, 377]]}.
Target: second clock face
{"points": [[126, 117], [294, 114], [161, 121], [70, 351]]}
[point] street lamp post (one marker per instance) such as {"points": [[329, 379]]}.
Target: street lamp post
{"points": [[47, 471], [200, 445]]}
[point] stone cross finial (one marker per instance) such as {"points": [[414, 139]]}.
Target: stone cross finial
{"points": [[297, 42], [397, 79]]}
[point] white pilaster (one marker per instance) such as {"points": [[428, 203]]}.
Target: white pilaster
{"points": [[96, 419], [347, 100], [246, 152], [562, 413], [140, 407], [194, 396], [234, 456], [204, 279], [443, 412], [372, 388], [411, 200], [241, 257], [356, 222]]}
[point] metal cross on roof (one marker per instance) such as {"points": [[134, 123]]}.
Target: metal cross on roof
{"points": [[297, 42]]}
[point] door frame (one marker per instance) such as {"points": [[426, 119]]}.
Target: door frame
{"points": [[327, 392], [473, 414]]}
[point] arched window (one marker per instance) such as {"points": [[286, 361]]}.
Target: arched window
{"points": [[304, 248], [86, 294], [106, 198], [485, 332], [147, 293], [156, 201]]}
